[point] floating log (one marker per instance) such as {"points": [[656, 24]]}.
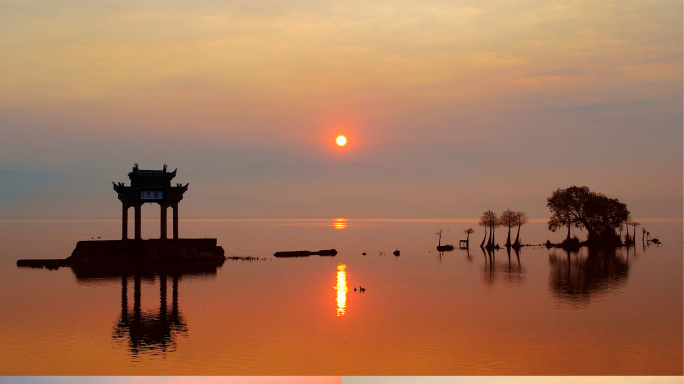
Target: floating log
{"points": [[42, 263], [445, 248], [322, 252]]}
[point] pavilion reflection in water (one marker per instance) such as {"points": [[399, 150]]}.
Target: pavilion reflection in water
{"points": [[147, 331], [150, 330]]}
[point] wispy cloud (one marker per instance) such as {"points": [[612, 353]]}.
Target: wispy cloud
{"points": [[511, 380], [536, 90], [175, 380]]}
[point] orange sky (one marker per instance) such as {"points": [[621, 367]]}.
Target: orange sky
{"points": [[469, 97], [511, 380], [343, 380], [177, 380]]}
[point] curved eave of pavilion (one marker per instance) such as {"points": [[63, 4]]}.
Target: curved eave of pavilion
{"points": [[179, 188], [127, 188], [149, 173]]}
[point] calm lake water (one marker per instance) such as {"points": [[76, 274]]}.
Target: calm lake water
{"points": [[542, 312]]}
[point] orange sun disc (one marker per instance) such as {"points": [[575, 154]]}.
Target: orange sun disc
{"points": [[341, 141]]}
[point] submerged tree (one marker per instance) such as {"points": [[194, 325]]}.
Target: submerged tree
{"points": [[634, 224], [560, 205], [643, 234], [468, 232], [485, 224], [627, 239], [578, 206], [521, 219], [488, 220], [509, 219], [491, 221]]}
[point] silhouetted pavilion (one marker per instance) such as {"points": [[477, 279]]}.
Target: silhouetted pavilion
{"points": [[116, 257], [150, 186]]}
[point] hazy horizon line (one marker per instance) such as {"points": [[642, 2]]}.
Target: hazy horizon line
{"points": [[376, 219]]}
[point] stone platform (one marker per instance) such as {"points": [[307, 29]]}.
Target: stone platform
{"points": [[115, 257]]}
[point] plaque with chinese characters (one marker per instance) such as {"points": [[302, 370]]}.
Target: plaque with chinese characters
{"points": [[151, 195]]}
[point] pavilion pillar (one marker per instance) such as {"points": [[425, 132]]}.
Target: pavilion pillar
{"points": [[124, 221], [162, 228], [175, 220], [138, 221]]}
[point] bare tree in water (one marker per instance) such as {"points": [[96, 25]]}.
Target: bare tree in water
{"points": [[521, 219], [634, 224], [468, 232], [643, 234], [484, 224], [508, 219], [491, 221], [628, 240]]}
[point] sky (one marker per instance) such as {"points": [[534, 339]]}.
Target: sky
{"points": [[511, 380], [450, 107], [173, 380], [338, 380]]}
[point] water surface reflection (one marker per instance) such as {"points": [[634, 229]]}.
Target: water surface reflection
{"points": [[339, 223], [341, 289], [508, 268], [579, 277], [464, 314], [149, 331]]}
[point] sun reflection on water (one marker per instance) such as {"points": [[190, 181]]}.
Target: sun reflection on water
{"points": [[341, 289], [339, 223]]}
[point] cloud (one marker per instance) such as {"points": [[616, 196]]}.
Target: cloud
{"points": [[175, 380], [510, 380], [534, 90]]}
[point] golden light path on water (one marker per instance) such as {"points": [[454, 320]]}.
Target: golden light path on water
{"points": [[341, 289], [339, 223]]}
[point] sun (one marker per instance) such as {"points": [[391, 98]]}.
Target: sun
{"points": [[341, 140]]}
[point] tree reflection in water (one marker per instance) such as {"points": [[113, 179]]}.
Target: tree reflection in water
{"points": [[510, 269], [578, 278]]}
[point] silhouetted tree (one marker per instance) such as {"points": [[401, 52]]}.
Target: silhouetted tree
{"points": [[491, 221], [560, 203], [620, 234], [634, 225], [495, 223], [508, 219], [627, 239], [488, 220], [485, 224], [578, 206], [643, 234], [521, 219], [468, 232]]}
